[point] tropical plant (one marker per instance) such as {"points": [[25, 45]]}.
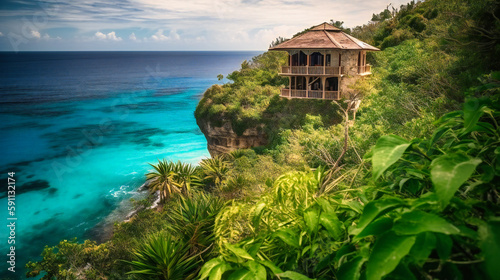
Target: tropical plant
{"points": [[215, 169], [192, 219], [185, 176], [162, 179], [163, 258]]}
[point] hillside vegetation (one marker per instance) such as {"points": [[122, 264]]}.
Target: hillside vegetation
{"points": [[407, 190]]}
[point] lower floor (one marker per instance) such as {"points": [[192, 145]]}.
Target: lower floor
{"points": [[320, 87]]}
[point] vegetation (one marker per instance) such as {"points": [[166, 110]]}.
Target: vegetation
{"points": [[407, 190]]}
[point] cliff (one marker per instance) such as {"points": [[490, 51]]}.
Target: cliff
{"points": [[223, 139]]}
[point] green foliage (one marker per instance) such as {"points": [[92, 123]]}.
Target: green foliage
{"points": [[215, 170], [161, 257], [72, 260], [171, 177]]}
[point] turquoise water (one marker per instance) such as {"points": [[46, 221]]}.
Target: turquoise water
{"points": [[79, 130]]}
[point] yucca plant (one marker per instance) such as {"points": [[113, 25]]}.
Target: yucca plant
{"points": [[215, 169], [193, 219], [185, 175], [163, 258], [162, 179]]}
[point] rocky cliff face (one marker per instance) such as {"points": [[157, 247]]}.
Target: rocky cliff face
{"points": [[223, 139]]}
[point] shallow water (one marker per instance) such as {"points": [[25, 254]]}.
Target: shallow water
{"points": [[79, 129]]}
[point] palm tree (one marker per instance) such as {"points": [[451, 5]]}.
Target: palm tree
{"points": [[162, 179], [215, 169], [163, 258]]}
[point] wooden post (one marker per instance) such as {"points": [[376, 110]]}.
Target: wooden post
{"points": [[323, 83], [324, 63], [308, 57], [307, 83]]}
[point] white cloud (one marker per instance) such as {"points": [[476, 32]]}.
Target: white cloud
{"points": [[159, 36], [1, 34], [132, 37], [111, 36], [35, 34]]}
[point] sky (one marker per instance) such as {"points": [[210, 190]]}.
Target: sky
{"points": [[136, 25]]}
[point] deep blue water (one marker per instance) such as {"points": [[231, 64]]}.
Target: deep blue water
{"points": [[79, 128]]}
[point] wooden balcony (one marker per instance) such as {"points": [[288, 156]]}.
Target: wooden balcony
{"points": [[365, 70], [310, 94], [312, 70]]}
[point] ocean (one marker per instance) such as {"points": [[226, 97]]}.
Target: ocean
{"points": [[78, 132]]}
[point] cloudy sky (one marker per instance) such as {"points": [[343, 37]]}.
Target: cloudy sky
{"points": [[27, 25]]}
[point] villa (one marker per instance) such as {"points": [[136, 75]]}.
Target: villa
{"points": [[323, 62]]}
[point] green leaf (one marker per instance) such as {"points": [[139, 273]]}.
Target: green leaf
{"points": [[208, 266], [218, 270], [326, 206], [402, 272], [257, 269], [387, 151], [238, 251], [288, 236], [257, 215], [375, 209], [473, 110], [489, 234], [242, 274], [415, 222], [271, 266], [425, 243], [449, 172], [443, 246], [377, 227], [293, 275], [387, 253], [351, 270], [311, 217], [332, 225]]}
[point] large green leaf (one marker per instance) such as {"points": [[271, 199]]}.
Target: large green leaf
{"points": [[208, 266], [311, 217], [238, 251], [242, 274], [293, 275], [218, 270], [288, 236], [489, 235], [387, 150], [377, 227], [275, 269], [443, 246], [375, 209], [473, 110], [351, 270], [257, 269], [387, 253], [332, 225], [449, 172], [415, 222], [425, 243]]}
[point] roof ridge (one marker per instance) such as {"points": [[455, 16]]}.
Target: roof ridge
{"points": [[352, 39], [334, 42]]}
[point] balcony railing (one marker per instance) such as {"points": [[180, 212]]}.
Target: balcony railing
{"points": [[312, 94], [365, 70], [312, 70]]}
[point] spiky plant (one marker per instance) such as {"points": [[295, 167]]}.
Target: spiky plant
{"points": [[162, 179], [185, 176], [163, 258], [193, 219], [215, 169]]}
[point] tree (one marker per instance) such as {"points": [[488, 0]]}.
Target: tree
{"points": [[162, 179]]}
